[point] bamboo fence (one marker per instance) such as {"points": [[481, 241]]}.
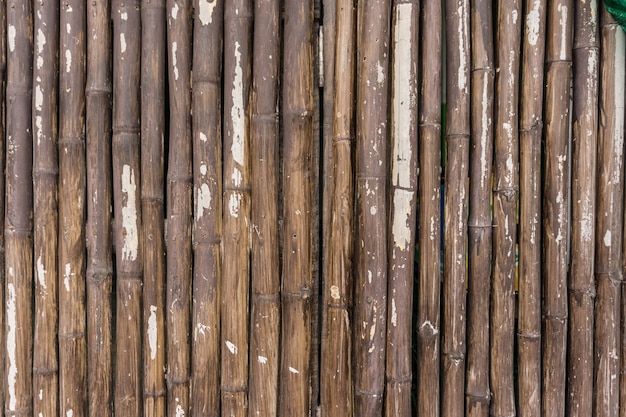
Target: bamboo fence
{"points": [[312, 208]]}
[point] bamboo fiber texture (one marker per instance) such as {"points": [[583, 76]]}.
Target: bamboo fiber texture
{"points": [[312, 208]]}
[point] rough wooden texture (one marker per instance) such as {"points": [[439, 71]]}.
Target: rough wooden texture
{"points": [[45, 177], [556, 205], [265, 269], [610, 208], [207, 215], [429, 217], [478, 395], [402, 205], [337, 397], [456, 199], [153, 73], [72, 210], [586, 53], [179, 208]]}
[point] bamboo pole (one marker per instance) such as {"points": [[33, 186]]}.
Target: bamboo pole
{"points": [[265, 268], [337, 396], [370, 298], [236, 211], [610, 207], [531, 133], [207, 237], [72, 193], [3, 141], [556, 204], [45, 177], [584, 146], [153, 73], [506, 184], [179, 208], [455, 206], [99, 281], [297, 105], [402, 206], [18, 217], [478, 395], [428, 303], [126, 18]]}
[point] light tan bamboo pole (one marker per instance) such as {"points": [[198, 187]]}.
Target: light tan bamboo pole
{"points": [[610, 208], [337, 396], [45, 177], [478, 395], [556, 204], [126, 18], [153, 73], [370, 298], [402, 205], [456, 200], [99, 285], [19, 212], [428, 303], [72, 193], [531, 134], [506, 185], [586, 53], [297, 108], [265, 268], [207, 237], [179, 208]]}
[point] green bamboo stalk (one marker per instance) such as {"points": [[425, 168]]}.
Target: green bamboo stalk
{"points": [[72, 193], [179, 208], [153, 73], [265, 269], [99, 235], [207, 238], [19, 211], [45, 177], [402, 206]]}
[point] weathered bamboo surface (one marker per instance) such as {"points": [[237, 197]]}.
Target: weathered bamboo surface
{"points": [[312, 208]]}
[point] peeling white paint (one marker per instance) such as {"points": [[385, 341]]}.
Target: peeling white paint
{"points": [[205, 12], [237, 177], [373, 210], [11, 37], [152, 332], [68, 28], [400, 229], [202, 329], [334, 292], [429, 325], [69, 413], [38, 98], [484, 136], [234, 203], [231, 347], [175, 11], [41, 273], [174, 64], [179, 411], [237, 112], [564, 28], [11, 345], [68, 60], [122, 43], [293, 370], [41, 42], [514, 16], [262, 359], [620, 80], [607, 239], [369, 276], [66, 276], [203, 169], [462, 76], [203, 200], [124, 16], [533, 21], [394, 313], [380, 73], [203, 137], [129, 215]]}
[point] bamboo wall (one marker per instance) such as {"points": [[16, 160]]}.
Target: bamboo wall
{"points": [[312, 208]]}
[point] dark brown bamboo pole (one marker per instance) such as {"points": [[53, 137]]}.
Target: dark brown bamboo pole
{"points": [[556, 204], [153, 73], [297, 107], [402, 205], [236, 207], [265, 268], [337, 396], [126, 17], [3, 141], [179, 208], [506, 185], [72, 210], [531, 134], [586, 52], [478, 395], [45, 177], [610, 208], [456, 198], [428, 301], [370, 298], [19, 211], [99, 283], [207, 238]]}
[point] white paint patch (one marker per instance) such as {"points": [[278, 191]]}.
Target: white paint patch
{"points": [[514, 16], [620, 80], [175, 11], [429, 325], [401, 229], [231, 347], [67, 276], [293, 370], [152, 332], [122, 43], [262, 359], [462, 76], [41, 42], [68, 28], [38, 98], [205, 12], [129, 215], [484, 136], [564, 28], [174, 49], [394, 313], [203, 200], [234, 203], [533, 21], [11, 345], [203, 169], [202, 329], [369, 276], [11, 37], [69, 413], [41, 273], [373, 210], [124, 16], [179, 411], [334, 292], [237, 112], [68, 60], [203, 137], [237, 177], [40, 395], [380, 73], [607, 239]]}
